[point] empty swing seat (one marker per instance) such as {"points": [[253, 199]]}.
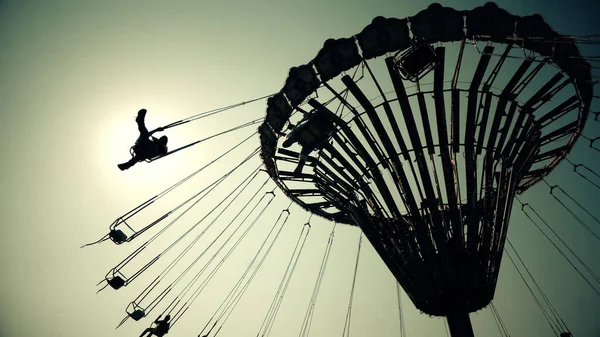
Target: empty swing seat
{"points": [[135, 311], [116, 282], [117, 236], [416, 62], [137, 314]]}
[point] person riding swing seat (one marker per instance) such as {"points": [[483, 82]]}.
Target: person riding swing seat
{"points": [[146, 146], [311, 134]]}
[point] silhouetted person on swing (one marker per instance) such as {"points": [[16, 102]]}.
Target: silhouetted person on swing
{"points": [[146, 146], [161, 328], [310, 133]]}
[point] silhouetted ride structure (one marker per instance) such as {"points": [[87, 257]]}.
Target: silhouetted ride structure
{"points": [[419, 131], [388, 130]]}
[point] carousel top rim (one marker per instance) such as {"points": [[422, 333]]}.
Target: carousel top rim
{"points": [[434, 24]]}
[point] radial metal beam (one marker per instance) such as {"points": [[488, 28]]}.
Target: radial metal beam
{"points": [[505, 129], [542, 92], [431, 200], [336, 177], [359, 123], [559, 111], [352, 181], [378, 125], [390, 116], [530, 124], [533, 103], [425, 122], [551, 153], [442, 129], [397, 169], [563, 131], [510, 143], [487, 103], [506, 95], [455, 102], [353, 156], [377, 177], [471, 208]]}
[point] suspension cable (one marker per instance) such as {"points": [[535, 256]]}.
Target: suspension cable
{"points": [[209, 113], [576, 166], [258, 120], [400, 311], [592, 141], [308, 317], [123, 218], [499, 321], [177, 300], [135, 304], [559, 321], [231, 296], [204, 283], [594, 275], [498, 325], [267, 323], [578, 219], [346, 331], [136, 252], [139, 250], [574, 201], [173, 263], [193, 295], [237, 298], [155, 302], [535, 297]]}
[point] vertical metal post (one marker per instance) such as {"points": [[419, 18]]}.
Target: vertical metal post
{"points": [[459, 324]]}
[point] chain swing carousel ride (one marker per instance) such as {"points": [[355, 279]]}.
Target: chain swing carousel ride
{"points": [[420, 131]]}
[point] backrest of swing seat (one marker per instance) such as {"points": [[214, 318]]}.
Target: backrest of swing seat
{"points": [[116, 282], [137, 314], [117, 236]]}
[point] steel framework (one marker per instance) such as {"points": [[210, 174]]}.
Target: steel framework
{"points": [[429, 165]]}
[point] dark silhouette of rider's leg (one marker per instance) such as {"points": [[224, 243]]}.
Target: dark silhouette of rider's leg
{"points": [[128, 164], [144, 134], [141, 124], [303, 156], [150, 332]]}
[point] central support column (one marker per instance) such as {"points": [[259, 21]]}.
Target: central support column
{"points": [[460, 325]]}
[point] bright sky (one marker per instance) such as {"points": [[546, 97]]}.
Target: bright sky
{"points": [[73, 75]]}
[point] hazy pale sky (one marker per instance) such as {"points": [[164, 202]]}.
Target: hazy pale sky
{"points": [[73, 75]]}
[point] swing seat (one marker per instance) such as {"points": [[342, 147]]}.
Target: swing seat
{"points": [[416, 62], [137, 314], [135, 311], [149, 160], [116, 282], [117, 236]]}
